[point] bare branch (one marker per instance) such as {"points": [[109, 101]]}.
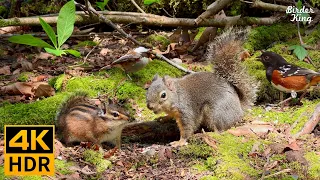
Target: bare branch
{"points": [[268, 6], [212, 9], [311, 124]]}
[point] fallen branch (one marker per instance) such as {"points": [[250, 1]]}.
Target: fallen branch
{"points": [[144, 19], [268, 6], [311, 124], [151, 131], [137, 6], [212, 9], [172, 63]]}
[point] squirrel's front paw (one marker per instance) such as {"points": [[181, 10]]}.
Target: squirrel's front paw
{"points": [[181, 142]]}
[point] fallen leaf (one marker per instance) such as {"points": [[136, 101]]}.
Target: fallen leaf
{"points": [[40, 78], [251, 129], [45, 56], [5, 70], [277, 148], [26, 65], [272, 165], [105, 51], [267, 152], [43, 90], [294, 146], [58, 148], [119, 163], [209, 140], [297, 156], [17, 71]]}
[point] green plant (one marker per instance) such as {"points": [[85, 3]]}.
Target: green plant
{"points": [[149, 2], [65, 25], [102, 5]]}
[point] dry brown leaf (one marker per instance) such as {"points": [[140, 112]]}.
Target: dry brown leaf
{"points": [[26, 65], [210, 141], [251, 129], [5, 70], [17, 71], [58, 148], [18, 88], [297, 156], [272, 165], [40, 78], [267, 152], [105, 51], [45, 56], [277, 148], [294, 146], [43, 90]]}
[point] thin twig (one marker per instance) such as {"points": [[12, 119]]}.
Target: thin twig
{"points": [[137, 6], [173, 64], [249, 2], [278, 173], [85, 58]]}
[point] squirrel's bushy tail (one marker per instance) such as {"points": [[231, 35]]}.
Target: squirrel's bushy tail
{"points": [[72, 101], [224, 53]]}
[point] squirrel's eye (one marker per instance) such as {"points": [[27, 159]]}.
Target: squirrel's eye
{"points": [[163, 95], [115, 114]]}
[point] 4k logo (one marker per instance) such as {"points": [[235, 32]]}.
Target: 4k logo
{"points": [[29, 150]]}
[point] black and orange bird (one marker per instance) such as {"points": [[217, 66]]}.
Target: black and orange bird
{"points": [[287, 77]]}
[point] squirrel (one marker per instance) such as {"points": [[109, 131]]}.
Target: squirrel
{"points": [[215, 100], [79, 119]]}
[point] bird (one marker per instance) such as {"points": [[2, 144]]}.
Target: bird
{"points": [[134, 60], [287, 77]]}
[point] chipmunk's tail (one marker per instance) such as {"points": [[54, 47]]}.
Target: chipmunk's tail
{"points": [[224, 53], [71, 101]]}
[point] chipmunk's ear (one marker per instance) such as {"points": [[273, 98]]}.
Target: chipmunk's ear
{"points": [[110, 101], [155, 77], [168, 81]]}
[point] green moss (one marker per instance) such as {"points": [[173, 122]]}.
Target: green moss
{"points": [[264, 36], [2, 176], [231, 160], [24, 77], [314, 164], [96, 158], [156, 39], [85, 44], [196, 149], [201, 30], [292, 114], [209, 178], [62, 166], [313, 37], [38, 112]]}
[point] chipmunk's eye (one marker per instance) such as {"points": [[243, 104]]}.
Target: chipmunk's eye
{"points": [[115, 114]]}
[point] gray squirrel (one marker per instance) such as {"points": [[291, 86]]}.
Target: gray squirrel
{"points": [[215, 100]]}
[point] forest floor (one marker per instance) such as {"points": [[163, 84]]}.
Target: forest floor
{"points": [[262, 146]]}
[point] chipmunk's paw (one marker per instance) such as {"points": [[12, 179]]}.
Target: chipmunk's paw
{"points": [[181, 142]]}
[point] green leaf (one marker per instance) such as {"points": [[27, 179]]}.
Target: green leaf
{"points": [[299, 51], [28, 39], [73, 52], [56, 52], [149, 2], [100, 5], [65, 22], [299, 4], [48, 29]]}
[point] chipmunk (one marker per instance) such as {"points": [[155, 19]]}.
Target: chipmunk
{"points": [[215, 100], [79, 120]]}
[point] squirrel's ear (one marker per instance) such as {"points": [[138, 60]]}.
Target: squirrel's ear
{"points": [[155, 77], [168, 81]]}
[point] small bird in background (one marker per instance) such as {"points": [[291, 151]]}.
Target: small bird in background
{"points": [[287, 77], [134, 60]]}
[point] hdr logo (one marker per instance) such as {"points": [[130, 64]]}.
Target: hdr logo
{"points": [[29, 150]]}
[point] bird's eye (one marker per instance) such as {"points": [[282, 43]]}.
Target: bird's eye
{"points": [[267, 57], [163, 95], [115, 114]]}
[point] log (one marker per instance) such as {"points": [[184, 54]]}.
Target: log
{"points": [[144, 19], [151, 132]]}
